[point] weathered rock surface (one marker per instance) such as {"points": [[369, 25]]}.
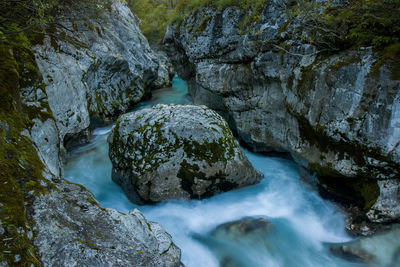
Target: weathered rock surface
{"points": [[177, 151], [94, 69], [101, 62], [337, 113], [71, 229], [166, 70]]}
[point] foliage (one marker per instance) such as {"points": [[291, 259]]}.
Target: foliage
{"points": [[357, 23], [33, 18], [156, 15]]}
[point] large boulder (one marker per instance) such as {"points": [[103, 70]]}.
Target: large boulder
{"points": [[177, 151]]}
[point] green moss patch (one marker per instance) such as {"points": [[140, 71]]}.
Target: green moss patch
{"points": [[390, 57], [188, 173], [21, 169]]}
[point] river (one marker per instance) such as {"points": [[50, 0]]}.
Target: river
{"points": [[302, 224]]}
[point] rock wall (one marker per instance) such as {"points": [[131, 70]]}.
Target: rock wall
{"points": [[91, 70], [101, 63], [335, 113]]}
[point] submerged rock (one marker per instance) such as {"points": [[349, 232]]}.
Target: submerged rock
{"points": [[177, 151], [382, 249], [243, 229], [229, 240]]}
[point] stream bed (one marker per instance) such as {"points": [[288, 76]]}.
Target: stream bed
{"points": [[286, 222]]}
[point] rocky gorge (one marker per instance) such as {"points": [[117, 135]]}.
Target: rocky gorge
{"points": [[335, 113]]}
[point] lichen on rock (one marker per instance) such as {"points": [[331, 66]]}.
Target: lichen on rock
{"points": [[177, 151]]}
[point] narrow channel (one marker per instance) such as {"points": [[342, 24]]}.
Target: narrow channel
{"points": [[297, 224]]}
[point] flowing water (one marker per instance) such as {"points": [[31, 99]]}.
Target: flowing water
{"points": [[299, 223]]}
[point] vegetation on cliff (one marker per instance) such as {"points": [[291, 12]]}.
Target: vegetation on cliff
{"points": [[21, 168], [156, 15], [354, 23], [22, 25], [330, 26]]}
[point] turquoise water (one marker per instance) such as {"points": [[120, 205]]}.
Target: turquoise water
{"points": [[303, 223]]}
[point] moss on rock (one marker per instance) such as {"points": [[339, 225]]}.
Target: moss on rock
{"points": [[174, 151], [21, 169]]}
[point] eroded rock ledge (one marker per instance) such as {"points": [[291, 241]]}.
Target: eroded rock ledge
{"points": [[177, 151]]}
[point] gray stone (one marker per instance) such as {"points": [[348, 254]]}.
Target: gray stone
{"points": [[71, 229], [45, 137], [387, 206], [109, 93], [340, 114], [166, 70], [177, 151]]}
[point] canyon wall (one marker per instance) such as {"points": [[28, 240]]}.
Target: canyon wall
{"points": [[336, 112]]}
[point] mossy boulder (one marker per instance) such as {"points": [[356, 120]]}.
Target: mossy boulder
{"points": [[177, 151]]}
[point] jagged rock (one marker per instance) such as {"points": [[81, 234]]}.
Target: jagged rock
{"points": [[44, 135], [177, 151], [387, 206], [101, 61], [113, 87], [339, 114], [71, 229], [166, 70]]}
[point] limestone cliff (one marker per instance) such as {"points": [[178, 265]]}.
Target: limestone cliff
{"points": [[96, 66], [336, 112], [85, 70]]}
